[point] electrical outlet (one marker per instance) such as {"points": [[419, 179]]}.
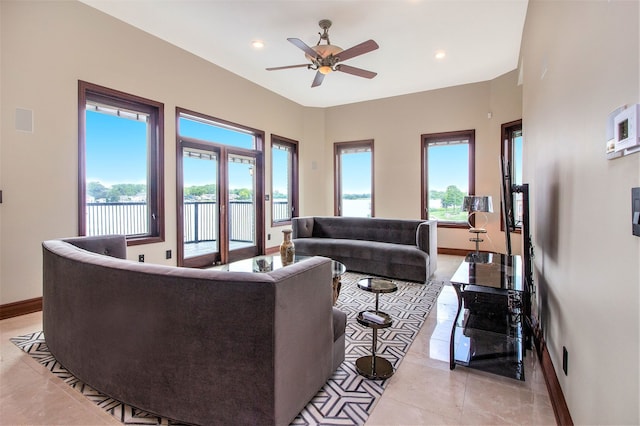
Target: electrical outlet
{"points": [[141, 258], [565, 360], [268, 236], [168, 254]]}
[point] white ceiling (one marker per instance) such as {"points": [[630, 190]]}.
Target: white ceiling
{"points": [[481, 39]]}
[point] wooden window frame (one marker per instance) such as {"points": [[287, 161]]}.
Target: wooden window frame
{"points": [[155, 172], [338, 147], [225, 150], [429, 138], [506, 149], [294, 185]]}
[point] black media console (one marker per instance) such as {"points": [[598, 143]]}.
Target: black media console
{"points": [[490, 332]]}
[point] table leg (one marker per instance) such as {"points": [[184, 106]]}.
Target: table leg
{"points": [[452, 358], [373, 366]]}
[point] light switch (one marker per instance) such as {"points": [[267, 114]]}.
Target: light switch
{"points": [[24, 120]]}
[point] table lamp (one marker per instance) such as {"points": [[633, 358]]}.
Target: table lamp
{"points": [[474, 204]]}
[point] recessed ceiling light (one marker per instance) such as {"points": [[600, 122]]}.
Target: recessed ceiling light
{"points": [[440, 54], [257, 44]]}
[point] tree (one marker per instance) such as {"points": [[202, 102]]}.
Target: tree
{"points": [[97, 190], [244, 194], [436, 195], [200, 190], [356, 196], [452, 197], [124, 190], [279, 195]]}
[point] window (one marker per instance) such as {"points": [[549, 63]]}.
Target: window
{"points": [[120, 150], [197, 126], [512, 151], [284, 180], [448, 174], [220, 190], [354, 179]]}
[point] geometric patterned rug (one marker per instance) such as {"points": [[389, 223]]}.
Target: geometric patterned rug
{"points": [[346, 399]]}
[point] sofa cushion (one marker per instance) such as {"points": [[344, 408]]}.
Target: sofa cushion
{"points": [[394, 248], [109, 245], [367, 250], [339, 323], [303, 228], [367, 229]]}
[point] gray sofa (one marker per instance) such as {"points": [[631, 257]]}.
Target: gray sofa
{"points": [[395, 248], [198, 346]]}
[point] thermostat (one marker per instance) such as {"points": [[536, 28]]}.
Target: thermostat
{"points": [[625, 128]]}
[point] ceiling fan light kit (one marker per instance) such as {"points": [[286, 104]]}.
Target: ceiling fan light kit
{"points": [[325, 58]]}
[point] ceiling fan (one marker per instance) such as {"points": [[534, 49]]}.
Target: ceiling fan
{"points": [[329, 57]]}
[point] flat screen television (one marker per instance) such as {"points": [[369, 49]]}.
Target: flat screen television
{"points": [[506, 194]]}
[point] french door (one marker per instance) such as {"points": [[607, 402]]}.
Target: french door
{"points": [[219, 216]]}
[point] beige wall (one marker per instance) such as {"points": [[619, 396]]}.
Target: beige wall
{"points": [[580, 63], [46, 48], [395, 124], [586, 259]]}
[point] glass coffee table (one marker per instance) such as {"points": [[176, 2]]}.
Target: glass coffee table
{"points": [[268, 263]]}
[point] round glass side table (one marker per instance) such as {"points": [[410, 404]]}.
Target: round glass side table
{"points": [[373, 366]]}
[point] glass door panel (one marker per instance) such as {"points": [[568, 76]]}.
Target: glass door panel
{"points": [[201, 220], [354, 179], [356, 185], [241, 178]]}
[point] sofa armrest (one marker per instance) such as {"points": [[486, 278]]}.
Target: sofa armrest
{"points": [[427, 241], [302, 227], [109, 245]]}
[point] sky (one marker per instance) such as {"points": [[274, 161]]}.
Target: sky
{"points": [[116, 147], [240, 174], [448, 166], [356, 173], [116, 153], [517, 166]]}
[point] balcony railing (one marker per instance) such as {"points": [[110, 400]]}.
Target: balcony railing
{"points": [[200, 219], [281, 211], [117, 218]]}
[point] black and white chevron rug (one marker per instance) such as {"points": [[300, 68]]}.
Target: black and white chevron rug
{"points": [[346, 399]]}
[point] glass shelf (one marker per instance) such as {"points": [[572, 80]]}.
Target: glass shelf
{"points": [[490, 344], [489, 331]]}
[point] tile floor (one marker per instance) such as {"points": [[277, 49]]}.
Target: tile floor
{"points": [[422, 392], [425, 392]]}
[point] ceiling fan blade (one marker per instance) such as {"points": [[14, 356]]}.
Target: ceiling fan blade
{"points": [[317, 81], [359, 49], [356, 71], [287, 66], [302, 45]]}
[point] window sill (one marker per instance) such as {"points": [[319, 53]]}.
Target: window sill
{"points": [[136, 241], [453, 225]]}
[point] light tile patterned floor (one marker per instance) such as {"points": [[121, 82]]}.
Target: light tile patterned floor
{"points": [[425, 392], [422, 392]]}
